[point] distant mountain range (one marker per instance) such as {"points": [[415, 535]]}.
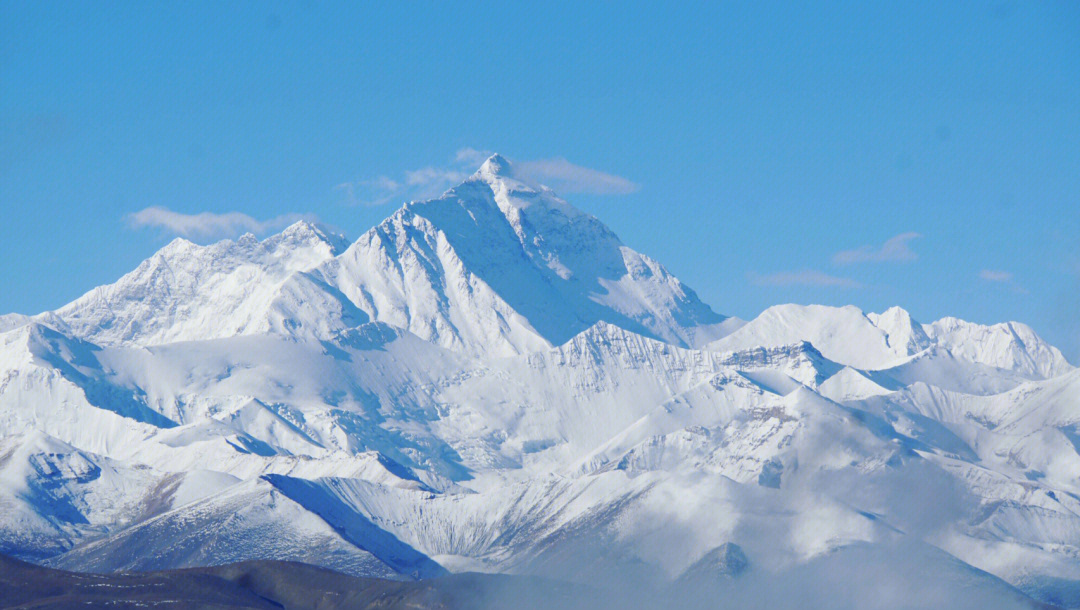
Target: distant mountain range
{"points": [[491, 381]]}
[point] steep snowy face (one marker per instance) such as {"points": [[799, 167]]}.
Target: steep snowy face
{"points": [[841, 334], [893, 339], [901, 332], [501, 266], [1010, 345], [50, 493], [495, 266], [189, 292]]}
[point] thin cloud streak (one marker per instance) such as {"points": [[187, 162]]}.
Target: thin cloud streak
{"points": [[896, 249], [1004, 278], [564, 176], [806, 277], [991, 275], [557, 173], [471, 156], [427, 176], [208, 224]]}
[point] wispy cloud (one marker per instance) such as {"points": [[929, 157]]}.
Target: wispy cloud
{"points": [[471, 156], [1004, 278], [896, 249], [806, 277], [208, 224], [384, 182], [427, 182], [991, 275], [372, 192], [567, 177], [427, 176]]}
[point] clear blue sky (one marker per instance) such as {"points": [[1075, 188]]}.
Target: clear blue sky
{"points": [[759, 140]]}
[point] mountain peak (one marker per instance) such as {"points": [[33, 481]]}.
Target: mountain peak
{"points": [[302, 227], [307, 232], [499, 174], [496, 165], [187, 292], [500, 265]]}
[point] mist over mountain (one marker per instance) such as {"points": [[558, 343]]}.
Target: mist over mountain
{"points": [[491, 381]]}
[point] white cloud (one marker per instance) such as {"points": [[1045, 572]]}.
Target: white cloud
{"points": [[1002, 277], [991, 275], [566, 177], [471, 156], [374, 192], [427, 176], [383, 182], [895, 249], [806, 277], [431, 181], [208, 224]]}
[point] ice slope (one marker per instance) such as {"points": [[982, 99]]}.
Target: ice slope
{"points": [[501, 266], [48, 491], [187, 292], [842, 334], [246, 405], [608, 401], [497, 265], [648, 418], [52, 495], [880, 341], [250, 520], [52, 383], [1011, 345]]}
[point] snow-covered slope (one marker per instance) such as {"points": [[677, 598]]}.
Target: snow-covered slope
{"points": [[843, 334], [497, 265], [1011, 345], [880, 341], [492, 381], [51, 494], [188, 292], [501, 266]]}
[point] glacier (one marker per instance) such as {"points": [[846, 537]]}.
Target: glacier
{"points": [[492, 381]]}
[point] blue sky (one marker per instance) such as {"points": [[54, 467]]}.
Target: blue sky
{"points": [[920, 154]]}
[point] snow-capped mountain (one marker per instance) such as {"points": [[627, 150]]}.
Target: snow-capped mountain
{"points": [[500, 266], [187, 292], [495, 266], [492, 381], [878, 341]]}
